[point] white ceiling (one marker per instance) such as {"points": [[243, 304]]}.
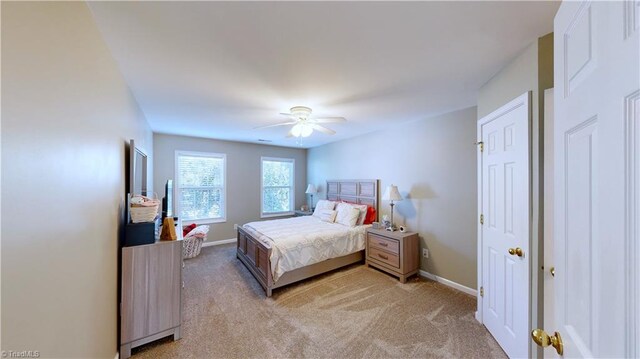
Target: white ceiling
{"points": [[218, 69]]}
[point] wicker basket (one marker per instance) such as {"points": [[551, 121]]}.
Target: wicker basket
{"points": [[191, 247], [146, 212]]}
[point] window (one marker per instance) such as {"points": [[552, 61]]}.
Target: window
{"points": [[277, 186], [201, 186]]}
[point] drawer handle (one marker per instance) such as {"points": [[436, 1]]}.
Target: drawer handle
{"points": [[382, 256], [383, 244]]}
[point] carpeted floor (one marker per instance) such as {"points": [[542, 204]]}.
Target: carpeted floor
{"points": [[353, 312]]}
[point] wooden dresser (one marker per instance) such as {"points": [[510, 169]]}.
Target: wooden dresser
{"points": [[151, 302], [393, 252]]}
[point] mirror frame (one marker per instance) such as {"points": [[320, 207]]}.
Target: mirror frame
{"points": [[134, 152]]}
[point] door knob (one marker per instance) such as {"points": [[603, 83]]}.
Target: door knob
{"points": [[516, 251], [553, 271], [543, 339]]}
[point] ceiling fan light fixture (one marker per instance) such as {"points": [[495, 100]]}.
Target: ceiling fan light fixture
{"points": [[303, 124], [306, 130], [301, 112], [301, 130], [296, 130]]}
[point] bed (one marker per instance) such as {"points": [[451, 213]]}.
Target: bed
{"points": [[284, 251]]}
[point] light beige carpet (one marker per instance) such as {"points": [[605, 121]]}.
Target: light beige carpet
{"points": [[354, 312]]}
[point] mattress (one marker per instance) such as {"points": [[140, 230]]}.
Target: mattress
{"points": [[301, 241]]}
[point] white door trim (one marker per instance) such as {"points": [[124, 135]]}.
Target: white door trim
{"points": [[632, 219], [547, 295]]}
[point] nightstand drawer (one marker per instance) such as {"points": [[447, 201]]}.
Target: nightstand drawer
{"points": [[378, 242], [385, 257]]}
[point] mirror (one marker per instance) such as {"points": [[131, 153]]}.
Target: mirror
{"points": [[137, 170]]}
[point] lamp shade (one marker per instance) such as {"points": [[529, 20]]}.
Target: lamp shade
{"points": [[311, 189], [392, 194]]}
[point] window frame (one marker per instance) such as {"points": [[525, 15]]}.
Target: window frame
{"points": [[177, 188], [292, 198]]}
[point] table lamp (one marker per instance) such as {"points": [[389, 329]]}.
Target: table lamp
{"points": [[311, 189], [392, 194]]}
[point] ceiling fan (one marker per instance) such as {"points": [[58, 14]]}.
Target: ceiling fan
{"points": [[304, 124]]}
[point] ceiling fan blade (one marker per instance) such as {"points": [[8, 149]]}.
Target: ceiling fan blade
{"points": [[329, 119], [276, 125], [323, 129], [286, 114]]}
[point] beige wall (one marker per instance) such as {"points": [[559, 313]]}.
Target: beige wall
{"points": [[67, 115], [520, 76], [243, 174], [433, 163]]}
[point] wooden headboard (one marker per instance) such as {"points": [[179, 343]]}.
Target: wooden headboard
{"points": [[355, 191]]}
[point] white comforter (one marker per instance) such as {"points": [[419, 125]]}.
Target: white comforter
{"points": [[301, 241]]}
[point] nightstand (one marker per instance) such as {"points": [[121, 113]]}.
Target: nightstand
{"points": [[302, 213], [393, 252]]}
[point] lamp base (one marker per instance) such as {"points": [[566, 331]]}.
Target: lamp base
{"points": [[392, 227]]}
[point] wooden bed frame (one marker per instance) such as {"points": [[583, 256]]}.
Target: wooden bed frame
{"points": [[256, 255]]}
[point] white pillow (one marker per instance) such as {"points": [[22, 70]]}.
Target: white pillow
{"points": [[327, 215], [363, 212], [323, 204], [347, 215], [199, 232]]}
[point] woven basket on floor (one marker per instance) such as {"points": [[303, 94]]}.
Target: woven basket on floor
{"points": [[191, 246]]}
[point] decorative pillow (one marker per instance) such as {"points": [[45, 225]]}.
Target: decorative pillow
{"points": [[198, 232], [347, 215], [363, 212], [187, 229], [371, 215], [323, 204], [327, 215]]}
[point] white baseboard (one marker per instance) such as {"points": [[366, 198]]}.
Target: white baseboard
{"points": [[117, 355], [449, 283], [217, 243], [478, 316]]}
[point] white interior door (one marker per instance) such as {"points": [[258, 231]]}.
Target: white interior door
{"points": [[504, 233], [597, 178]]}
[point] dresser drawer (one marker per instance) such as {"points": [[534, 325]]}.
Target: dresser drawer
{"points": [[385, 257], [386, 244]]}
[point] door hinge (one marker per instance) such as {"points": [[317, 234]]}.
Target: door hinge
{"points": [[481, 144], [482, 291], [482, 219]]}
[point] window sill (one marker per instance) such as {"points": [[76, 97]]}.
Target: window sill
{"points": [[203, 221], [280, 214]]}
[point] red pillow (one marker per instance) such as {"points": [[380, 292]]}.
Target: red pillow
{"points": [[187, 229], [371, 215]]}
